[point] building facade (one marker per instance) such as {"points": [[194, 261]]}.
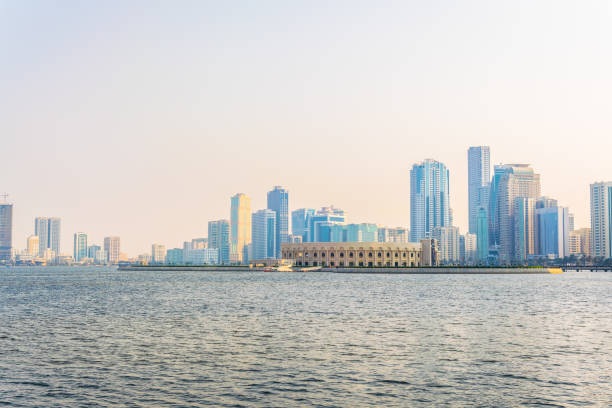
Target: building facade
{"points": [[32, 247], [449, 247], [278, 201], [325, 225], [429, 199], [6, 232], [601, 219], [48, 231], [264, 235], [553, 232], [112, 249], [80, 246], [158, 253], [479, 180], [219, 238], [240, 227], [353, 254], [580, 242], [298, 221]]}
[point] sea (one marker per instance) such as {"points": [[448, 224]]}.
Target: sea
{"points": [[99, 337]]}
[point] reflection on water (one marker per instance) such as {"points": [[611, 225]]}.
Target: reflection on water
{"points": [[71, 337]]}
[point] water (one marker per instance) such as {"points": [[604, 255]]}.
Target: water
{"points": [[93, 337]]}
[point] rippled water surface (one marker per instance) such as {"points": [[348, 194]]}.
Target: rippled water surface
{"points": [[97, 337]]}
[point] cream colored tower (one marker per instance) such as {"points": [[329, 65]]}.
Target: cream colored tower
{"points": [[240, 228]]}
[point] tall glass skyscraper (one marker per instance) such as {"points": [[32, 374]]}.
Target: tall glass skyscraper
{"points": [[240, 227], [80, 246], [601, 219], [278, 201], [429, 199], [219, 238], [264, 234], [479, 179], [6, 231]]}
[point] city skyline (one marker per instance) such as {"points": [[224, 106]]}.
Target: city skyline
{"points": [[174, 95]]}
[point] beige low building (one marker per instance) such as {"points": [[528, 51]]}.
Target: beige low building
{"points": [[353, 254]]}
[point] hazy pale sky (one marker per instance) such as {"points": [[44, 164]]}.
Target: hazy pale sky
{"points": [[142, 118]]}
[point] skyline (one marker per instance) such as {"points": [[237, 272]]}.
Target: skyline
{"points": [[146, 130]]}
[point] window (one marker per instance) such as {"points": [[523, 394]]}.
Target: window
{"points": [[351, 254], [388, 254], [360, 263], [333, 254], [379, 254], [341, 254], [396, 255], [370, 263], [315, 254], [370, 255], [361, 256]]}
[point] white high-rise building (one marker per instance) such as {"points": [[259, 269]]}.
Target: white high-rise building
{"points": [[33, 246], [601, 219], [448, 244], [48, 231], [80, 246]]}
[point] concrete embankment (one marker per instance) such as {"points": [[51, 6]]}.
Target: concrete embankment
{"points": [[382, 271], [445, 271]]}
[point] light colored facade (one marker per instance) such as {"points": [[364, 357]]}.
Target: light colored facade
{"points": [[174, 256], [6, 231], [360, 233], [429, 199], [449, 248], [278, 201], [580, 242], [112, 248], [353, 254], [469, 249], [479, 179], [199, 243], [601, 219], [264, 235], [207, 256], [219, 238], [158, 253], [397, 235], [80, 246], [482, 236], [240, 225], [33, 246], [294, 239], [513, 181]]}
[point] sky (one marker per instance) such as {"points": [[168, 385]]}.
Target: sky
{"points": [[142, 118]]}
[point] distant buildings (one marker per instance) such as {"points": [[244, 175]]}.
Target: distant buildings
{"points": [[112, 248], [240, 227], [601, 219], [6, 231], [264, 235], [397, 235], [429, 199], [278, 201], [158, 253], [553, 231], [580, 242], [80, 246], [48, 231], [174, 256], [325, 225]]}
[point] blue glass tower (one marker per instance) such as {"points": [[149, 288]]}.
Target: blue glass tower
{"points": [[429, 199], [278, 201]]}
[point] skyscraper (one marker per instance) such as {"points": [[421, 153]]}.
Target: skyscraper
{"points": [[264, 234], [512, 181], [278, 201], [429, 199], [219, 238], [80, 246], [325, 225], [525, 228], [298, 222], [112, 248], [48, 231], [479, 179], [601, 219], [240, 227], [6, 230]]}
